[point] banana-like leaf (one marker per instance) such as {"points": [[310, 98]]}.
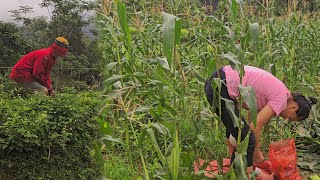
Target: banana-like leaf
{"points": [[174, 158], [241, 166], [231, 110], [121, 10], [249, 96]]}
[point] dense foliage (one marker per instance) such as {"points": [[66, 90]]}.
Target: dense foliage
{"points": [[48, 138], [12, 43], [157, 57]]}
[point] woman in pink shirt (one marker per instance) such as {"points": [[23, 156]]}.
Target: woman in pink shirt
{"points": [[273, 99]]}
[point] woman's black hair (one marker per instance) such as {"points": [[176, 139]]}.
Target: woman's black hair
{"points": [[305, 105]]}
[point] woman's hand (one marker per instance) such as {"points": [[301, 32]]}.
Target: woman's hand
{"points": [[258, 156]]}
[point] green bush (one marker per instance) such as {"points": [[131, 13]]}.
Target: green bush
{"points": [[48, 137]]}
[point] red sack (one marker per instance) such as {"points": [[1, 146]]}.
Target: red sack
{"points": [[265, 171], [283, 157]]}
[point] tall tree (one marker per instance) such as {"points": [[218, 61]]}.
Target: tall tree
{"points": [[68, 19], [12, 44]]}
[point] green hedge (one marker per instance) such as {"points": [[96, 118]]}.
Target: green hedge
{"points": [[48, 137]]}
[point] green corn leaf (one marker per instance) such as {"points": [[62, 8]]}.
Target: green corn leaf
{"points": [[110, 28], [174, 158], [201, 138], [141, 138], [172, 111], [178, 31], [112, 80], [216, 87], [272, 69], [155, 144], [161, 128], [314, 177], [234, 62], [121, 10], [241, 165], [103, 125], [112, 139], [231, 34], [234, 10], [164, 63], [243, 146], [254, 33], [231, 174], [97, 152], [210, 67], [231, 110], [169, 31], [249, 96], [218, 177], [111, 65], [242, 4], [140, 109]]}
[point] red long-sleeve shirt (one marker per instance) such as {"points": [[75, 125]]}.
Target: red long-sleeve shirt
{"points": [[35, 66]]}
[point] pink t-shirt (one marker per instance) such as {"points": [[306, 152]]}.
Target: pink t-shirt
{"points": [[269, 89]]}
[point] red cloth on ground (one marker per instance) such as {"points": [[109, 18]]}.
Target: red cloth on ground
{"points": [[212, 167], [35, 66]]}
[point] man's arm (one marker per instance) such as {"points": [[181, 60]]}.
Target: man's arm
{"points": [[40, 71]]}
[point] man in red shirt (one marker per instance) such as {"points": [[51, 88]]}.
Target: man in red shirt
{"points": [[33, 70]]}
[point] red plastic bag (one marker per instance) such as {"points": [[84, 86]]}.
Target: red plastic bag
{"points": [[283, 157], [265, 171]]}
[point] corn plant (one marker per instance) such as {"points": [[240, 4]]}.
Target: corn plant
{"points": [[156, 57]]}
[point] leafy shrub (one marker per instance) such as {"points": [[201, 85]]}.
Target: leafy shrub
{"points": [[48, 137]]}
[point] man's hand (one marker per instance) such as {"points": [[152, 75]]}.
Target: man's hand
{"points": [[51, 92], [258, 156]]}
